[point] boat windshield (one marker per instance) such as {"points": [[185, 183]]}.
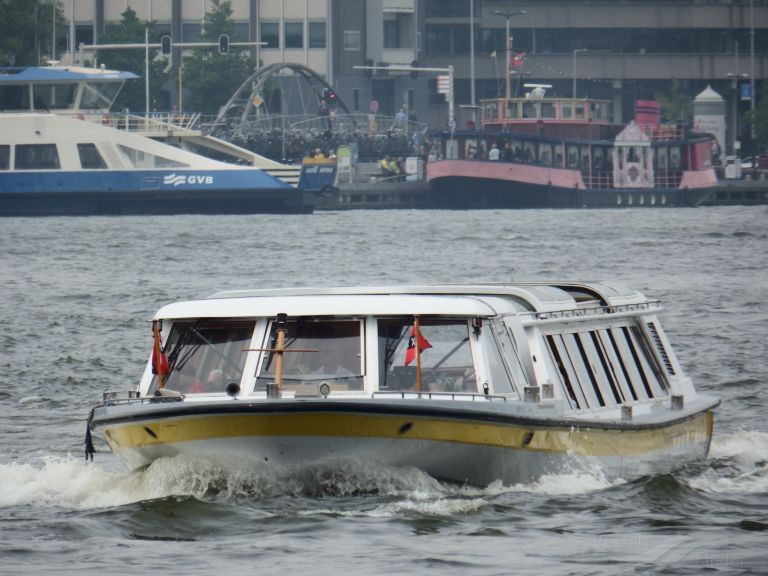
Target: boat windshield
{"points": [[317, 351], [207, 355], [446, 356]]}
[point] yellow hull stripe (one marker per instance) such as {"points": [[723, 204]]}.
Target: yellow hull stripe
{"points": [[581, 441]]}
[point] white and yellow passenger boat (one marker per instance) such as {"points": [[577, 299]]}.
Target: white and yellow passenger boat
{"points": [[470, 383]]}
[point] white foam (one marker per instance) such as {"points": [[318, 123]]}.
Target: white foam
{"points": [[742, 459]]}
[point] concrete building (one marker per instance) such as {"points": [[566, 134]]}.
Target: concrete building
{"points": [[622, 50]]}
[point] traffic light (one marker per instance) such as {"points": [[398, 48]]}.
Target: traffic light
{"points": [[330, 97], [414, 73], [368, 73], [224, 44], [165, 45]]}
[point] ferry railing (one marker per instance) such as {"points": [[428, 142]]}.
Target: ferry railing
{"points": [[160, 122]]}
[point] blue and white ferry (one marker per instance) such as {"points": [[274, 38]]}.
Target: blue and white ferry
{"points": [[63, 153]]}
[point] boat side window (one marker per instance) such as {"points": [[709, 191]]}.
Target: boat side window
{"points": [[5, 157], [512, 110], [99, 95], [206, 355], [317, 350], [530, 109], [90, 158], [578, 110], [547, 109], [14, 98], [141, 159], [490, 111], [54, 96], [566, 110], [606, 366], [36, 157], [446, 355]]}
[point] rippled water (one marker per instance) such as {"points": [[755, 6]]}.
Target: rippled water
{"points": [[75, 297]]}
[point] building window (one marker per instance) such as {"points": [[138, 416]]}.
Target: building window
{"points": [[241, 32], [270, 34], [317, 34], [391, 31], [351, 40], [37, 157], [294, 35], [190, 31]]}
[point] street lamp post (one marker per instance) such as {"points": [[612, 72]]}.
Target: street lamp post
{"points": [[508, 41], [752, 66], [576, 51]]}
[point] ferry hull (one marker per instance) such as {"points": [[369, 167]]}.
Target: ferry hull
{"points": [[74, 203], [484, 184], [458, 192], [468, 449]]}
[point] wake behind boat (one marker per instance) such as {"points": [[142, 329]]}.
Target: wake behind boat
{"points": [[56, 160], [471, 383]]}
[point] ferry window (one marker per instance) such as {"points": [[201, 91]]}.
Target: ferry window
{"points": [[37, 157], [294, 34], [54, 96], [5, 157], [270, 34], [674, 157], [547, 109], [545, 154], [530, 109], [558, 154], [578, 110], [206, 355], [141, 159], [509, 356], [327, 351], [446, 356], [99, 95], [90, 158], [490, 111], [512, 110], [573, 156], [566, 110], [317, 35], [14, 98]]}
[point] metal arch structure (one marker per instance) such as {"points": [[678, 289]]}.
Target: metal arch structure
{"points": [[299, 94]]}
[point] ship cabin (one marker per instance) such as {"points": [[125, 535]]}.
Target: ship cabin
{"points": [[578, 134], [63, 90]]}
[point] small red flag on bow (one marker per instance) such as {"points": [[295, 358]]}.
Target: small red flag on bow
{"points": [[410, 354], [159, 359]]}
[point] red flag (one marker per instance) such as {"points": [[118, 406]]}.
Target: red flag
{"points": [[516, 60], [159, 359], [410, 354]]}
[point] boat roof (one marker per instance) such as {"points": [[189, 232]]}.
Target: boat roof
{"points": [[43, 74], [489, 299]]}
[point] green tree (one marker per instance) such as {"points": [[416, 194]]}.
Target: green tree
{"points": [[761, 123], [26, 30], [130, 30], [211, 78], [677, 106]]}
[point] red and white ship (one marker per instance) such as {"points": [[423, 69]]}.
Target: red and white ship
{"points": [[565, 152]]}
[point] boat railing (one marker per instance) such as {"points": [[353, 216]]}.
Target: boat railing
{"points": [[616, 310], [162, 123], [460, 396], [114, 398]]}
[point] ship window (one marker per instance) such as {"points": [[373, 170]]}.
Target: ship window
{"points": [[14, 98], [490, 110], [141, 159], [54, 96], [578, 110], [606, 367], [325, 351], [446, 356], [566, 110], [547, 109], [206, 355], [513, 110], [37, 157], [5, 157], [90, 158], [99, 95], [530, 109]]}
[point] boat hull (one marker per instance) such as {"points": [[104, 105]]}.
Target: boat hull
{"points": [[145, 192], [476, 184], [469, 447]]}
